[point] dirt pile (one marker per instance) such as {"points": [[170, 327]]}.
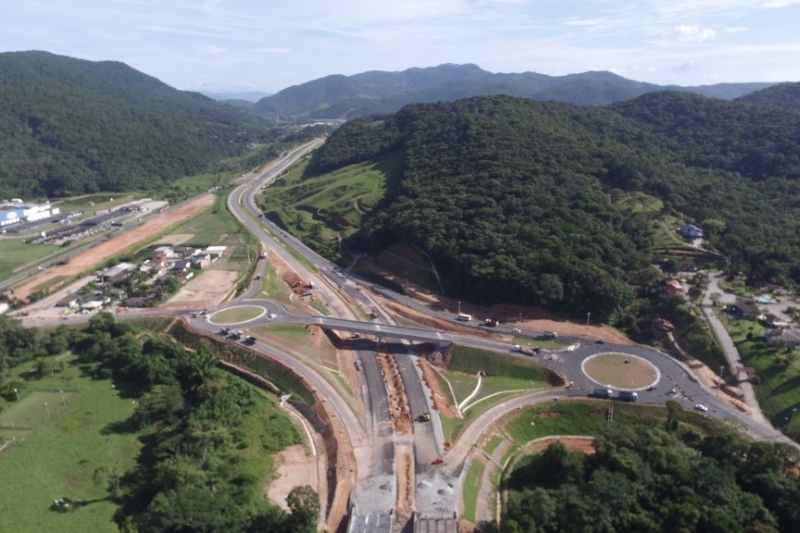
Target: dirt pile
{"points": [[398, 401]]}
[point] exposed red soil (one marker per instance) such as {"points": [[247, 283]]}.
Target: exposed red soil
{"points": [[440, 398], [398, 401]]}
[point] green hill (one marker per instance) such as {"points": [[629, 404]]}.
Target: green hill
{"points": [[562, 206], [783, 95], [69, 126]]}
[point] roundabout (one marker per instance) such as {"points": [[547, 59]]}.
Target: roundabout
{"points": [[237, 315], [621, 371]]}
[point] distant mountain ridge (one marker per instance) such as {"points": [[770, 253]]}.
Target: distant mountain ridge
{"points": [[247, 96], [375, 92]]}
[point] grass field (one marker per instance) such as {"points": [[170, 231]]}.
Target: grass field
{"points": [[779, 369], [492, 443], [59, 457], [585, 417], [296, 333], [472, 486], [620, 371], [22, 417], [14, 253], [235, 315], [470, 361]]}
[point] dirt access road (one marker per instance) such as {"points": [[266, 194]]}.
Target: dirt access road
{"points": [[102, 252]]}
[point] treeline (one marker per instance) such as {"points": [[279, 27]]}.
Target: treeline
{"points": [[202, 427], [521, 201], [19, 345], [69, 126], [657, 479]]}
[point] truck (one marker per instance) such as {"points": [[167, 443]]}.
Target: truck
{"points": [[490, 322], [525, 350], [603, 393], [464, 317], [425, 417], [628, 396], [548, 336]]}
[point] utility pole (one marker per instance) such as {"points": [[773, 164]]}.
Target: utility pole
{"points": [[719, 385], [47, 409], [16, 391], [459, 307], [791, 419], [587, 322]]}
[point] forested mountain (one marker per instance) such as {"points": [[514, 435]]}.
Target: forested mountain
{"points": [[70, 126], [783, 94], [541, 203], [657, 480], [384, 92]]}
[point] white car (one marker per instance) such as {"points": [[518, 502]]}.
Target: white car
{"points": [[700, 407]]}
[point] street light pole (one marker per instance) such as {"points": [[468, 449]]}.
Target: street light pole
{"points": [[16, 391], [587, 323], [719, 385], [47, 409], [459, 307]]}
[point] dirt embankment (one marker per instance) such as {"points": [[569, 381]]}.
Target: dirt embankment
{"points": [[534, 318], [440, 397], [398, 401]]}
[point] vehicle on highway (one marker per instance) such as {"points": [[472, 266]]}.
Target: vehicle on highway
{"points": [[438, 461], [547, 336], [358, 366], [628, 396], [606, 394], [464, 317], [424, 417], [700, 407], [490, 322]]}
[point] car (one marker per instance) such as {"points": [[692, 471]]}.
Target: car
{"points": [[700, 407], [438, 461], [517, 330]]}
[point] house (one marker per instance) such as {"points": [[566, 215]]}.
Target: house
{"points": [[94, 305], [673, 287], [774, 321], [70, 300], [184, 251], [215, 251], [116, 273], [136, 301], [745, 308], [783, 337], [201, 261], [661, 327], [183, 277], [180, 266], [166, 250], [690, 231]]}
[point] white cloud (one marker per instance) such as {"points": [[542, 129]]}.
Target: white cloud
{"points": [[690, 33], [211, 50], [276, 50]]}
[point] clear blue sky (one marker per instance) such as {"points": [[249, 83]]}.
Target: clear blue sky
{"points": [[269, 45]]}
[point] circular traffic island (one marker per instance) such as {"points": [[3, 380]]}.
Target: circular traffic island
{"points": [[237, 315], [620, 371]]}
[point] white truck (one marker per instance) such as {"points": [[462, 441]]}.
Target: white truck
{"points": [[464, 317]]}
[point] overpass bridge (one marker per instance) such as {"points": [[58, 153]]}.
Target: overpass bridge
{"points": [[383, 331]]}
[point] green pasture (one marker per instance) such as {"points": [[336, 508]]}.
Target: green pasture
{"points": [[778, 368], [59, 457], [470, 361], [15, 253], [296, 333]]}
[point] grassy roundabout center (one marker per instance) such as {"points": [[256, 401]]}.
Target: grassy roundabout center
{"points": [[236, 315], [620, 371]]}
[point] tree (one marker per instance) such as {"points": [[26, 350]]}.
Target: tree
{"points": [[304, 505]]}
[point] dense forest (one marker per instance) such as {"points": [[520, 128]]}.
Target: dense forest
{"points": [[69, 126], [657, 480], [555, 204], [783, 94]]}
